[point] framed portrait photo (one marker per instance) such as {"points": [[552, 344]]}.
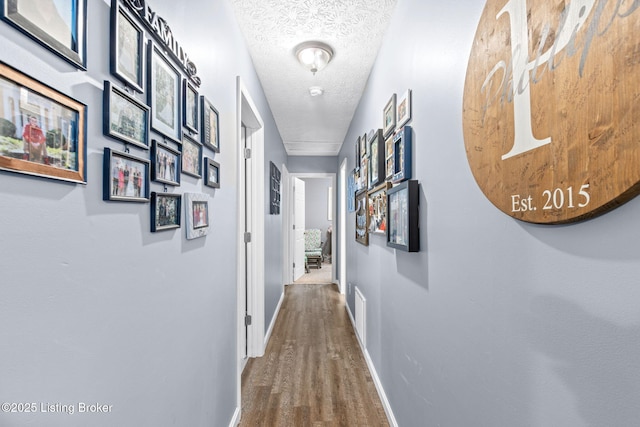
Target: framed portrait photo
{"points": [[190, 107], [125, 177], [196, 214], [404, 108], [389, 116], [165, 164], [362, 217], [210, 122], [212, 173], [166, 211], [58, 25], [42, 131], [377, 166], [124, 117], [164, 82], [191, 157], [127, 48]]}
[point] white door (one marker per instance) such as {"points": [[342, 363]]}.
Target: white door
{"points": [[298, 228]]}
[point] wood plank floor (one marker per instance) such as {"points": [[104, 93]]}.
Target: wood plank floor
{"points": [[313, 372]]}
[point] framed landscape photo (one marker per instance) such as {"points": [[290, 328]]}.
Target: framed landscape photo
{"points": [[125, 177], [42, 131], [210, 125], [164, 82], [58, 25], [165, 164], [127, 48], [404, 108], [212, 173], [196, 214], [124, 117], [389, 117], [191, 157], [166, 211], [190, 107]]}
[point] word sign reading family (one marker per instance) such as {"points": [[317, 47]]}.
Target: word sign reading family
{"points": [[159, 27], [551, 112]]}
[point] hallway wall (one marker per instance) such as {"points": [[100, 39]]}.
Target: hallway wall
{"points": [[94, 307], [495, 322], [316, 206]]}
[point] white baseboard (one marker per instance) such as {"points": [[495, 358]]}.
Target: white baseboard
{"points": [[273, 320], [376, 380], [235, 420]]}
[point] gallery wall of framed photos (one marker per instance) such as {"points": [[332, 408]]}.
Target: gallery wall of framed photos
{"points": [[383, 161]]}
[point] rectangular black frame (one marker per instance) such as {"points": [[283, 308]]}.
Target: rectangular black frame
{"points": [[404, 219], [75, 51], [190, 113], [362, 217], [115, 186], [121, 117], [164, 94], [274, 189], [211, 169], [161, 220], [161, 159], [188, 144], [126, 65], [377, 164], [389, 117], [210, 123], [402, 155]]}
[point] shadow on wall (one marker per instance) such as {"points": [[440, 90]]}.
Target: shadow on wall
{"points": [[597, 359], [415, 265]]}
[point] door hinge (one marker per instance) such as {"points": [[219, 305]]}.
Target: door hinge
{"points": [[294, 226], [247, 320], [247, 153], [247, 237], [294, 265]]}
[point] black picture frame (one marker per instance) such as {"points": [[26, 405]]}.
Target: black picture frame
{"points": [[166, 164], [164, 94], [389, 117], [124, 117], [402, 155], [362, 217], [191, 157], [210, 123], [47, 25], [377, 164], [190, 113], [211, 173], [403, 228], [125, 177], [166, 211], [275, 177], [127, 48], [378, 209]]}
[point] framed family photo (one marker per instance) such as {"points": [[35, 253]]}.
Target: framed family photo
{"points": [[125, 177], [362, 217], [404, 108], [212, 173], [389, 116], [164, 82], [165, 164], [124, 117], [58, 25], [210, 122], [196, 214], [166, 211], [127, 48], [191, 157], [190, 107], [42, 131], [377, 167]]}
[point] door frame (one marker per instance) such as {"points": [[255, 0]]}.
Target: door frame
{"points": [[287, 255], [342, 229], [247, 113]]}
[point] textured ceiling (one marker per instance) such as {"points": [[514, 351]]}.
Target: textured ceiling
{"points": [[353, 28]]}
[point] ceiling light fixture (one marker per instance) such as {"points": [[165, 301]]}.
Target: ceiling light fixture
{"points": [[314, 55], [316, 91]]}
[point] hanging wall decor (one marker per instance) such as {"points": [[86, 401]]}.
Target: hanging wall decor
{"points": [[377, 166], [197, 215], [274, 192], [124, 117], [209, 120], [389, 117], [166, 211], [403, 231], [211, 173], [403, 110], [191, 157], [378, 209], [362, 218], [125, 177], [402, 155], [163, 94], [127, 49], [165, 164], [190, 114], [351, 191]]}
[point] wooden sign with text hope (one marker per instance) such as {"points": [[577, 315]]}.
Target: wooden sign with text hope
{"points": [[551, 110]]}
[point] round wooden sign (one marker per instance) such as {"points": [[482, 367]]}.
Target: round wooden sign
{"points": [[552, 107]]}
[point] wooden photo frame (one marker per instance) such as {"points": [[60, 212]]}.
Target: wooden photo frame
{"points": [[191, 157], [61, 27], [389, 117], [166, 211], [212, 173], [362, 218], [196, 214], [125, 177], [402, 155], [166, 164], [127, 48], [190, 114], [124, 117], [404, 109], [210, 123], [42, 131], [403, 231], [163, 94]]}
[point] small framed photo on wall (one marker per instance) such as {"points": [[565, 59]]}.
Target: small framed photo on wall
{"points": [[362, 217], [210, 125], [125, 177], [166, 211], [165, 164], [197, 215], [124, 117], [212, 173], [191, 157], [389, 117], [190, 107], [404, 108], [164, 82], [127, 48]]}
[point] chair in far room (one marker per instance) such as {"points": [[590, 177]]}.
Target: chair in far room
{"points": [[313, 247]]}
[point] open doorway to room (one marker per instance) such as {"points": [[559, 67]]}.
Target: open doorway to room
{"points": [[311, 219]]}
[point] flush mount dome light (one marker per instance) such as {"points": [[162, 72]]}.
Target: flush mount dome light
{"points": [[316, 91], [314, 55]]}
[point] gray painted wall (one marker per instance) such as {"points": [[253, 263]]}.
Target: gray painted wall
{"points": [[495, 322], [96, 308], [313, 164], [316, 204]]}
